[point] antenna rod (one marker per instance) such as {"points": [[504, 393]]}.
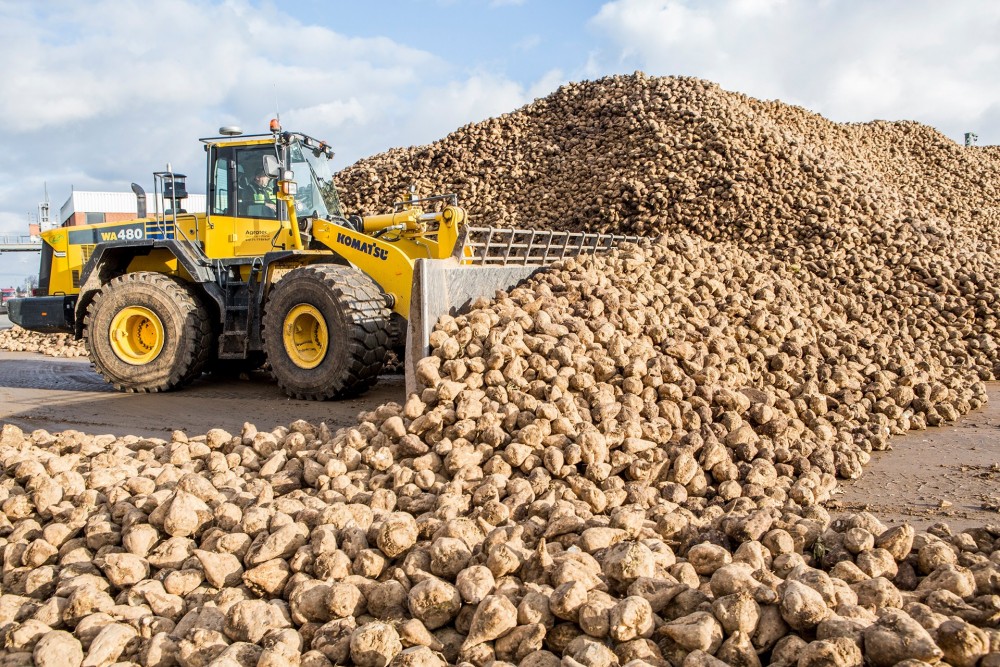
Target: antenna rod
{"points": [[277, 113]]}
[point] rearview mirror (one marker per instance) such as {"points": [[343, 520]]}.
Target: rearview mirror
{"points": [[271, 166]]}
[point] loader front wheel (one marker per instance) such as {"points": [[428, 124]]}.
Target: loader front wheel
{"points": [[147, 332], [326, 332]]}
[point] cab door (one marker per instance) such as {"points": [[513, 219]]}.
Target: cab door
{"points": [[239, 226]]}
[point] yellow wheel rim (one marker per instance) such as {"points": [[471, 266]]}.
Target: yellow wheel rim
{"points": [[305, 336], [136, 335]]}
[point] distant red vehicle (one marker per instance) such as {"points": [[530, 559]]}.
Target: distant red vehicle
{"points": [[6, 294]]}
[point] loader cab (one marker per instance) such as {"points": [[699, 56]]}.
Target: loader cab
{"points": [[246, 216]]}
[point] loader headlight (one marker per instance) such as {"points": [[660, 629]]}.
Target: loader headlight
{"points": [[289, 187]]}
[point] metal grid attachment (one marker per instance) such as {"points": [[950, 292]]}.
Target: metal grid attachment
{"points": [[492, 246]]}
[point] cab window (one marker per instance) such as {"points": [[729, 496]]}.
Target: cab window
{"points": [[256, 198], [222, 189]]}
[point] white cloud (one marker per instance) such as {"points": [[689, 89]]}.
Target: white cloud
{"points": [[333, 114], [441, 109], [105, 92], [923, 60], [547, 84]]}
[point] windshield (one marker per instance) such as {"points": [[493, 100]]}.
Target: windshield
{"points": [[314, 180]]}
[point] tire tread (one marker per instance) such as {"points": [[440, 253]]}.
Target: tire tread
{"points": [[366, 338], [197, 329]]}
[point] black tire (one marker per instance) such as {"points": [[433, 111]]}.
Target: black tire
{"points": [[356, 319], [186, 332], [397, 334]]}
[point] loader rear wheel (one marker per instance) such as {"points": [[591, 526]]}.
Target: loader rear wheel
{"points": [[326, 332], [147, 332]]}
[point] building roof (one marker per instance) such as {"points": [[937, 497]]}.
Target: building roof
{"points": [[118, 202]]}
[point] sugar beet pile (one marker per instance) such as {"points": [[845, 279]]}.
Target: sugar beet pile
{"points": [[17, 339], [622, 461]]}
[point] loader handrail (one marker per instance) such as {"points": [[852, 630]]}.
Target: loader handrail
{"points": [[451, 198]]}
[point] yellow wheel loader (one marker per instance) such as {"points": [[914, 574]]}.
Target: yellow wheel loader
{"points": [[273, 270]]}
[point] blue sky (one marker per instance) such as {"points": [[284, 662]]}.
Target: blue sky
{"points": [[522, 40], [100, 93]]}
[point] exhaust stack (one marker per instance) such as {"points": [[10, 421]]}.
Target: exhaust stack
{"points": [[140, 200]]}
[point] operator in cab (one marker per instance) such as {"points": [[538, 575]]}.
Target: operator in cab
{"points": [[262, 195]]}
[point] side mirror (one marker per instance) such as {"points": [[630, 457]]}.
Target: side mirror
{"points": [[271, 166]]}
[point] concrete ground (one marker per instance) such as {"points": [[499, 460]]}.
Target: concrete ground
{"points": [[60, 394], [950, 473]]}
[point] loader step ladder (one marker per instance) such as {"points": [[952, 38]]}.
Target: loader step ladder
{"points": [[234, 339], [493, 246]]}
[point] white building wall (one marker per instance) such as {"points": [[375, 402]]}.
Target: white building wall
{"points": [[119, 202]]}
